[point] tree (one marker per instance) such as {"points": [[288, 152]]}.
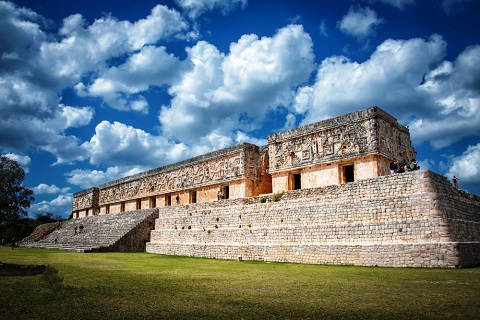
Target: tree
{"points": [[47, 217], [14, 197]]}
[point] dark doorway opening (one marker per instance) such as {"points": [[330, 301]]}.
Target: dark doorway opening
{"points": [[193, 196], [349, 173], [297, 181], [153, 202], [226, 192], [168, 200]]}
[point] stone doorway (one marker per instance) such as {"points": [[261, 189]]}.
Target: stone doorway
{"points": [[193, 196], [295, 181], [349, 173]]}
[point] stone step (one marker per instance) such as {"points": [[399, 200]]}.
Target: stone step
{"points": [[100, 232]]}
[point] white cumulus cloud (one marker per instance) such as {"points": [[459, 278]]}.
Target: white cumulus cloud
{"points": [[390, 79], [228, 93], [120, 86], [37, 66], [195, 8], [93, 178], [360, 22], [453, 88], [119, 144], [465, 167], [61, 205], [43, 188]]}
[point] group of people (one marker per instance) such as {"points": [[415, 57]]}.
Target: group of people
{"points": [[399, 167], [80, 228]]}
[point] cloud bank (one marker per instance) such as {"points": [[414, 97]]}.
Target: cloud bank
{"points": [[214, 99]]}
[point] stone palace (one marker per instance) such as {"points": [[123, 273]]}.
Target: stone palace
{"points": [[320, 193], [348, 148]]}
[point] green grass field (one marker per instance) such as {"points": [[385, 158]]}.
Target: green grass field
{"points": [[150, 286]]}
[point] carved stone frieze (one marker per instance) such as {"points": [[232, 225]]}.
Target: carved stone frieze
{"points": [[394, 142], [322, 146], [86, 199], [222, 168], [368, 132]]}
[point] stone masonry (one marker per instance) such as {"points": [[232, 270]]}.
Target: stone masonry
{"points": [[321, 193], [355, 146], [414, 219]]}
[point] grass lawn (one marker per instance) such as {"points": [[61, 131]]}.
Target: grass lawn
{"points": [[150, 286]]}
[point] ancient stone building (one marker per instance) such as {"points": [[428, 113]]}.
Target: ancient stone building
{"points": [[86, 203], [321, 193], [352, 147], [412, 219]]}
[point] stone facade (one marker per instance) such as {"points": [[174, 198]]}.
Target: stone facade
{"points": [[414, 219], [232, 170], [321, 193], [352, 147], [236, 171], [86, 203]]}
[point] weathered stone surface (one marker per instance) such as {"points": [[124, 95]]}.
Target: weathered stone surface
{"points": [[123, 232], [355, 146], [227, 164], [85, 201], [357, 134], [385, 221], [338, 202]]}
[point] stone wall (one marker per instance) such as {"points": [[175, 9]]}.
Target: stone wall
{"points": [[86, 203], [366, 132], [413, 219], [234, 166], [351, 147], [135, 240]]}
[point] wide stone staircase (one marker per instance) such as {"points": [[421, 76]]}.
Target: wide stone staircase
{"points": [[124, 232]]}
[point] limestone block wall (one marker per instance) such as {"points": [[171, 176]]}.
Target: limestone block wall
{"points": [[357, 134], [223, 167], [86, 203], [135, 240], [413, 219], [320, 176], [367, 167], [331, 173], [263, 184], [206, 193]]}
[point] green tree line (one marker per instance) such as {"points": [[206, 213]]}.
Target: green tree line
{"points": [[15, 198]]}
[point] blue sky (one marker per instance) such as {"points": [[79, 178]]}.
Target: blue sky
{"points": [[92, 91]]}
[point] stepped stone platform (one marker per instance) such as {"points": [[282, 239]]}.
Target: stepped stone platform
{"points": [[121, 232], [414, 219]]}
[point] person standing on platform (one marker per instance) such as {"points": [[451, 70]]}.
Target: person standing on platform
{"points": [[455, 182]]}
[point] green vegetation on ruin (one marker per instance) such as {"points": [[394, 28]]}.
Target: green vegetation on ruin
{"points": [[150, 286]]}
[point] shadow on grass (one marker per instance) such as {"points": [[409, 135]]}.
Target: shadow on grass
{"points": [[9, 269], [143, 286]]}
